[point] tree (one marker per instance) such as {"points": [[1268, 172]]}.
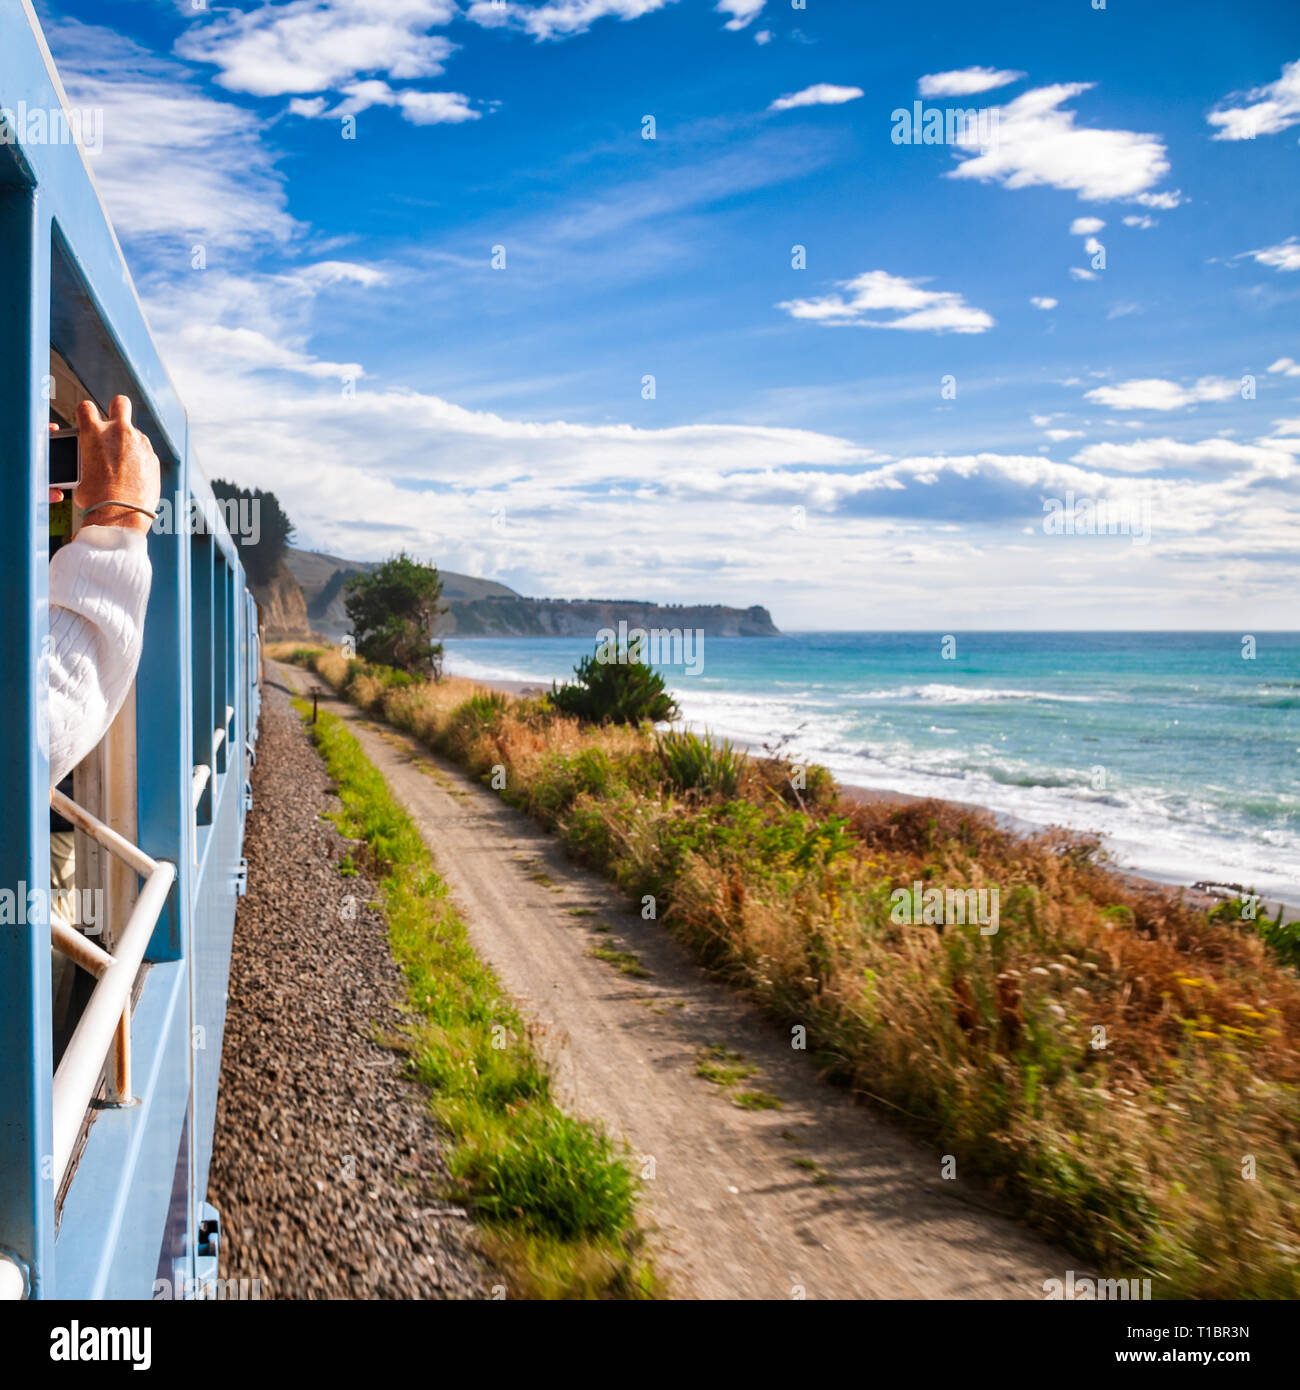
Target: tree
{"points": [[259, 526], [393, 611]]}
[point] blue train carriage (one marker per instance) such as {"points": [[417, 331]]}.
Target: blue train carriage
{"points": [[113, 995]]}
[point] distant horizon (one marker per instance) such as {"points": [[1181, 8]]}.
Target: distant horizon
{"points": [[902, 631]]}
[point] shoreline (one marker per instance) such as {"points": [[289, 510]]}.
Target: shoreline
{"points": [[888, 796]]}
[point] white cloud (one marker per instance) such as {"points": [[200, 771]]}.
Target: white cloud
{"points": [[1284, 256], [820, 94], [1056, 436], [342, 273], [1037, 143], [763, 36], [175, 162], [1272, 108], [436, 108], [742, 12], [1148, 455], [876, 291], [318, 45], [1287, 366], [1085, 226], [1154, 393], [420, 108], [965, 82], [1165, 201], [1143, 223], [1043, 302], [1077, 273], [558, 19], [248, 349]]}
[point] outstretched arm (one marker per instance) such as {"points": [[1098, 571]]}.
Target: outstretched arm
{"points": [[99, 585]]}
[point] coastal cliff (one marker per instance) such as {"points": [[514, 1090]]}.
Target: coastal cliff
{"points": [[515, 616], [284, 611], [484, 608]]}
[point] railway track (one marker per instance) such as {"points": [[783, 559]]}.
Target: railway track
{"points": [[327, 1166]]}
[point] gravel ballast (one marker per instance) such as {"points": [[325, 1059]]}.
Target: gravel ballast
{"points": [[327, 1165]]}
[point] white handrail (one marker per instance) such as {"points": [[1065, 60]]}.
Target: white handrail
{"points": [[13, 1282], [202, 774], [103, 834], [79, 949], [106, 1017]]}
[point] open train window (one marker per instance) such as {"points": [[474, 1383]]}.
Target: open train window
{"points": [[92, 891], [203, 562], [213, 625], [98, 892], [223, 661]]}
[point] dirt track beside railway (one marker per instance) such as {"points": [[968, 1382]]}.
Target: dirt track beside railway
{"points": [[326, 1165], [820, 1196]]}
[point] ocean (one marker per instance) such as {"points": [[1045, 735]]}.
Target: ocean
{"points": [[1182, 749]]}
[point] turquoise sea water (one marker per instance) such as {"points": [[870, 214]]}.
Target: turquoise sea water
{"points": [[1181, 752]]}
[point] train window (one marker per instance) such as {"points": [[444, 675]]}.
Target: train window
{"points": [[233, 759], [222, 655], [203, 556], [92, 892]]}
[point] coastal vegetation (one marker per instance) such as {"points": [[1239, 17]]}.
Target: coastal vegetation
{"points": [[1113, 1060], [608, 688], [555, 1197]]}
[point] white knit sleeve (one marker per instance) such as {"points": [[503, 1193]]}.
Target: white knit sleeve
{"points": [[99, 589]]}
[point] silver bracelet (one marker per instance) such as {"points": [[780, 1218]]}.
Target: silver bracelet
{"points": [[130, 506]]}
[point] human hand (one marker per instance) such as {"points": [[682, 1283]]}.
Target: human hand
{"points": [[118, 463]]}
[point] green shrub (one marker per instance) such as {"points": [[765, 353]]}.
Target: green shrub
{"points": [[480, 711], [694, 764], [749, 834], [472, 717], [1280, 936], [614, 689], [392, 678], [563, 779]]}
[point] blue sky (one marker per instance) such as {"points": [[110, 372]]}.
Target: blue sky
{"points": [[1100, 303]]}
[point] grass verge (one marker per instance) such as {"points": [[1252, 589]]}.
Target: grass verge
{"points": [[554, 1197]]}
